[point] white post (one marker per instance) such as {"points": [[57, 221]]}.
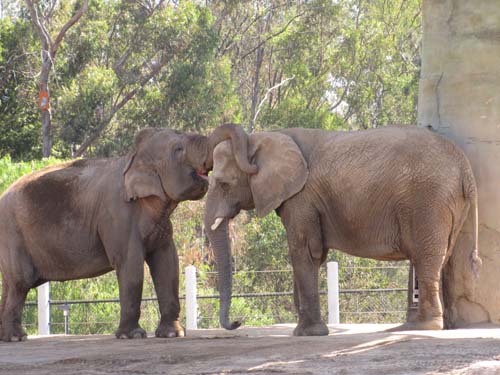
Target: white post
{"points": [[44, 309], [191, 304], [332, 269]]}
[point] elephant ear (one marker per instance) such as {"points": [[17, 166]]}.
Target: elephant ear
{"points": [[140, 177], [282, 170]]}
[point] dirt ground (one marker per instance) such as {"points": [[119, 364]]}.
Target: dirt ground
{"points": [[350, 349]]}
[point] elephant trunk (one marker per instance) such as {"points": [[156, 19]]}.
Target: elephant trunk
{"points": [[239, 142], [219, 239]]}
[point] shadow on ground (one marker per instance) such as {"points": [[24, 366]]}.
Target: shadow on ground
{"points": [[350, 349]]}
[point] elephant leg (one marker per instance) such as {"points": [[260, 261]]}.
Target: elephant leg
{"points": [[18, 277], [430, 311], [306, 252], [3, 302], [306, 272], [130, 281], [296, 297], [164, 267], [13, 304], [427, 247]]}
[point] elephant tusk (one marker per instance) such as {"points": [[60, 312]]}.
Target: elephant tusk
{"points": [[217, 223]]}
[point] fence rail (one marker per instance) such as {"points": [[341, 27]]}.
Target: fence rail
{"points": [[343, 304]]}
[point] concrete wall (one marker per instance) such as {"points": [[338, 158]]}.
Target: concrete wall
{"points": [[460, 98]]}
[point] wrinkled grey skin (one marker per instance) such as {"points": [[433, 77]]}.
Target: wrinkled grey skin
{"points": [[84, 218], [391, 193]]}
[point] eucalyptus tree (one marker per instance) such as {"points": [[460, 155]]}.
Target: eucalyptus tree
{"points": [[19, 119], [42, 15], [322, 63], [138, 64]]}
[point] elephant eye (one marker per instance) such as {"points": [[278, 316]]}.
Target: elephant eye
{"points": [[178, 150], [224, 186]]}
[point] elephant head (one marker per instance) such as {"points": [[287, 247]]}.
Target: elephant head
{"points": [[281, 173], [172, 165]]}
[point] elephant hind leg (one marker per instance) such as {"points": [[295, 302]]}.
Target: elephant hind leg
{"points": [[427, 246], [430, 310]]}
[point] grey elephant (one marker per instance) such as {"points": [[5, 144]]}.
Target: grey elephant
{"points": [[84, 218], [390, 193]]}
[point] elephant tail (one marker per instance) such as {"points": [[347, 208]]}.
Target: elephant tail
{"points": [[470, 193]]}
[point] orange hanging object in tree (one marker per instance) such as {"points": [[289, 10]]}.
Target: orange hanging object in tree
{"points": [[43, 101]]}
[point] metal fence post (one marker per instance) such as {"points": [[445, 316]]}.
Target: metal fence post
{"points": [[44, 309], [191, 304], [332, 269]]}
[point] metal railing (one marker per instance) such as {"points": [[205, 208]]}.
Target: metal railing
{"points": [[343, 304]]}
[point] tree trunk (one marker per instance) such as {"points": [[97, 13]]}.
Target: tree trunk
{"points": [[49, 50], [256, 86], [46, 114]]}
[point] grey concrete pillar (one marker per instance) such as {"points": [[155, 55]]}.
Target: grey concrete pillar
{"points": [[460, 98]]}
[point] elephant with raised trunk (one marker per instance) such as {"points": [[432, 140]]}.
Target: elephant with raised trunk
{"points": [[84, 218], [391, 193]]}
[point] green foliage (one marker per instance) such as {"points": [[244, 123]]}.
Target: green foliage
{"points": [[82, 103], [19, 122], [318, 64], [11, 171], [265, 244], [189, 90]]}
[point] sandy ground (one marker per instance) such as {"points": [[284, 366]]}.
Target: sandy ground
{"points": [[350, 349]]}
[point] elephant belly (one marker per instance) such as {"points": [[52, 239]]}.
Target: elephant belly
{"points": [[374, 252], [66, 256], [374, 240]]}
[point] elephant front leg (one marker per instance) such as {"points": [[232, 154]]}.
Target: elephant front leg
{"points": [[130, 280], [306, 293], [305, 246], [12, 307], [164, 266]]}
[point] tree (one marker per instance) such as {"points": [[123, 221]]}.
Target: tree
{"points": [[41, 19], [130, 66], [344, 64], [20, 127]]}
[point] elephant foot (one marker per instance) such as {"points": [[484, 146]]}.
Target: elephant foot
{"points": [[315, 329], [434, 324], [14, 334], [170, 329], [135, 333]]}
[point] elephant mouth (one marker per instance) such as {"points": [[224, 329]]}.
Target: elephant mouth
{"points": [[196, 189], [203, 174], [199, 176]]}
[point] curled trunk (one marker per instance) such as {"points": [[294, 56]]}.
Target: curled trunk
{"points": [[239, 141]]}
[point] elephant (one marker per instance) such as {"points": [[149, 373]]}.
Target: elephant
{"points": [[390, 193], [86, 217]]}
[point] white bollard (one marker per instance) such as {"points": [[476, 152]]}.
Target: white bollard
{"points": [[191, 304], [44, 309], [332, 269]]}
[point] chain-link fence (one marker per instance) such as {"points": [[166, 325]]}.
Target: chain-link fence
{"points": [[266, 297], [367, 295]]}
